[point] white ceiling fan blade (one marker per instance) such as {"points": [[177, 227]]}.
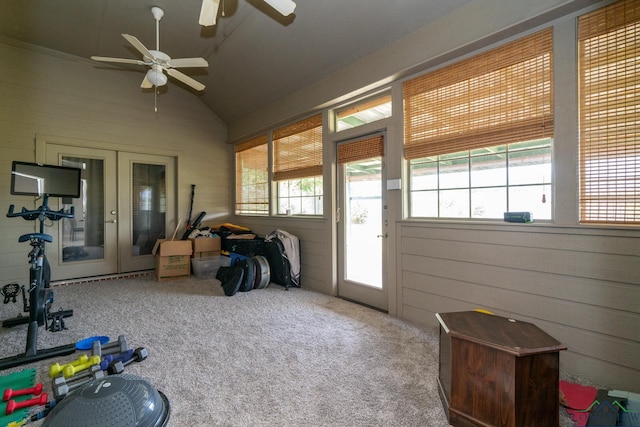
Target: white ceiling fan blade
{"points": [[187, 62], [285, 7], [185, 79], [139, 46], [119, 60], [209, 12], [146, 84]]}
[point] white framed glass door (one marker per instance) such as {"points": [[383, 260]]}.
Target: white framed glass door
{"points": [[362, 221], [146, 193], [127, 202], [86, 245]]}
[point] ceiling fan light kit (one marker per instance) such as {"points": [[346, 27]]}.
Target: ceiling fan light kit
{"points": [[156, 76]]}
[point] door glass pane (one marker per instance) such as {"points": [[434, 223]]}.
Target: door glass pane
{"points": [[83, 235], [363, 222], [149, 199]]}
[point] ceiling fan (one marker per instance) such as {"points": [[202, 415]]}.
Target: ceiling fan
{"points": [[158, 61], [209, 10]]}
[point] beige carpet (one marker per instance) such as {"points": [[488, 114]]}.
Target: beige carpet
{"points": [[266, 357]]}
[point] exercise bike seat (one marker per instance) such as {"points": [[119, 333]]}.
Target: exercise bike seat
{"points": [[37, 236]]}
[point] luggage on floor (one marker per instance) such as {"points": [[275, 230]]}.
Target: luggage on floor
{"points": [[282, 250], [247, 247], [231, 279], [244, 275], [230, 234]]}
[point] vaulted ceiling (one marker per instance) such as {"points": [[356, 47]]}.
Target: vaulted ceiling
{"points": [[255, 55]]}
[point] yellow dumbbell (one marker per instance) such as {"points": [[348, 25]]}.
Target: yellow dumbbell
{"points": [[70, 370], [56, 368]]}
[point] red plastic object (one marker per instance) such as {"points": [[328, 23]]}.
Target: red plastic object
{"points": [[9, 393], [12, 405]]}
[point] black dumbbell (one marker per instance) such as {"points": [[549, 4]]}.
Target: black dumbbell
{"points": [[119, 346], [117, 367]]}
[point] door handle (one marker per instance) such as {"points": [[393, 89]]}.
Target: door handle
{"points": [[385, 235], [113, 221]]}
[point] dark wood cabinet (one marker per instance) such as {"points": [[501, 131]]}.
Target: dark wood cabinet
{"points": [[496, 371]]}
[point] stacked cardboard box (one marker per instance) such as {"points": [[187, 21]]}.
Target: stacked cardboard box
{"points": [[206, 247], [173, 259]]}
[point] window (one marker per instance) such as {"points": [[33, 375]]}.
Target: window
{"points": [[363, 112], [609, 105], [297, 167], [483, 183], [252, 176], [478, 134]]}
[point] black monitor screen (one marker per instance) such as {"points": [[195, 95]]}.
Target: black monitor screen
{"points": [[32, 179]]}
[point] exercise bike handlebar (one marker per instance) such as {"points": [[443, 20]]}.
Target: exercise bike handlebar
{"points": [[41, 213]]}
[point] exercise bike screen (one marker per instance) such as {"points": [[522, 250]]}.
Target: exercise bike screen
{"points": [[33, 179]]}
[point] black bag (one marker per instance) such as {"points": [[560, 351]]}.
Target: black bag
{"points": [[244, 275], [231, 278], [278, 263]]}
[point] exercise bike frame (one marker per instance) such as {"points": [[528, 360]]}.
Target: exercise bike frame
{"points": [[40, 296]]}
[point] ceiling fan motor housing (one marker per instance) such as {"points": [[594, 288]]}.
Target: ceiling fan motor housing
{"points": [[157, 13]]}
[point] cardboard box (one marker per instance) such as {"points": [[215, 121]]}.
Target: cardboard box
{"points": [[173, 259], [206, 246]]}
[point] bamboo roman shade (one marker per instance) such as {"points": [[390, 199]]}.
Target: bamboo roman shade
{"points": [[504, 95], [252, 175], [609, 84], [297, 149], [361, 149]]}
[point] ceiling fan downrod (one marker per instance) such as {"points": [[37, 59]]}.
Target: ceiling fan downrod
{"points": [[157, 13]]}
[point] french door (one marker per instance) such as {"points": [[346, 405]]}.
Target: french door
{"points": [[127, 202], [362, 223]]}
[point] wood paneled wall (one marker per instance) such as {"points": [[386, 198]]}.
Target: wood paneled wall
{"points": [[582, 286], [48, 95]]}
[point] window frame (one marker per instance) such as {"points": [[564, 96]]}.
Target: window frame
{"points": [[461, 84], [297, 150], [259, 143]]}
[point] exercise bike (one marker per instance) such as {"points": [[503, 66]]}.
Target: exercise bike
{"points": [[40, 294]]}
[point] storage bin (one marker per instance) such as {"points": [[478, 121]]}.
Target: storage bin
{"points": [[207, 267]]}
